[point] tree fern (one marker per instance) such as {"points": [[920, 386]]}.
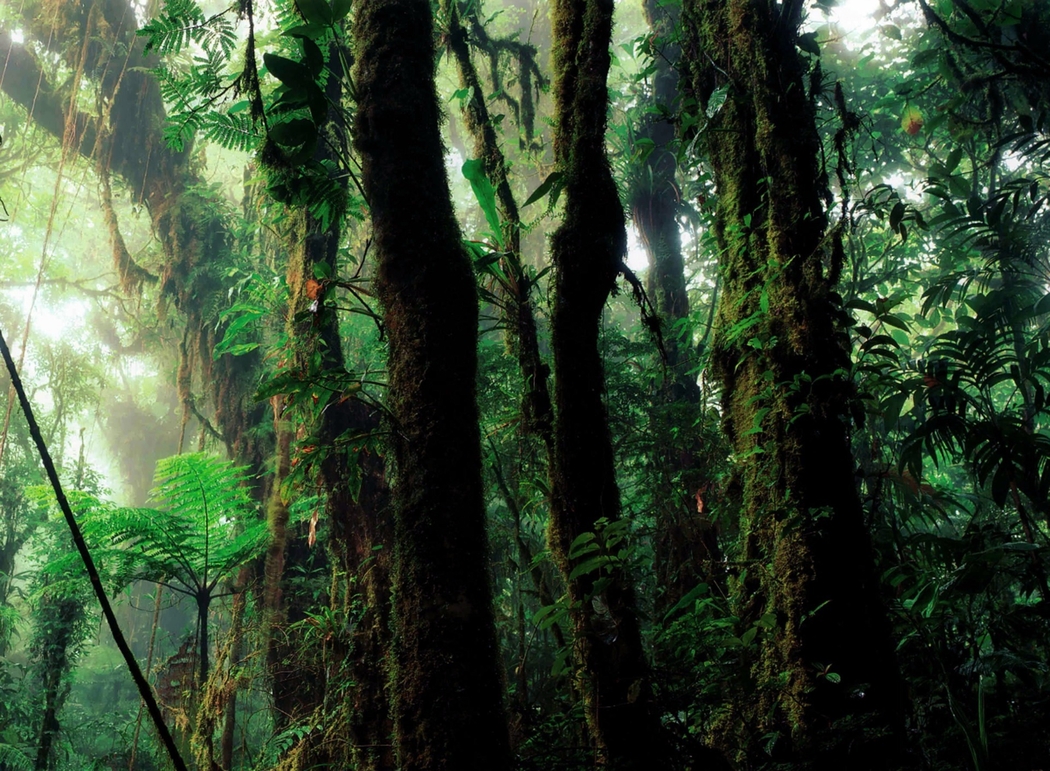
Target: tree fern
{"points": [[201, 530]]}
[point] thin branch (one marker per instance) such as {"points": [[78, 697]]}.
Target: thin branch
{"points": [[89, 564]]}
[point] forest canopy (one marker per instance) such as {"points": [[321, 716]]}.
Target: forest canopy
{"points": [[438, 384]]}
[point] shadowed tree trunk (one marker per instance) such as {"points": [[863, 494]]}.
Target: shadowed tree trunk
{"points": [[448, 711], [824, 679], [587, 251], [353, 481], [687, 549]]}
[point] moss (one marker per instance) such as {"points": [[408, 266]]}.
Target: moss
{"points": [[448, 710], [587, 251], [777, 351]]}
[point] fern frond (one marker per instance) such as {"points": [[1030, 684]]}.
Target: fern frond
{"points": [[182, 22], [236, 131], [14, 758]]}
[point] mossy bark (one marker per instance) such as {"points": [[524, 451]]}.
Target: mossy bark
{"points": [[354, 484], [824, 679], [448, 706], [536, 408], [587, 252]]}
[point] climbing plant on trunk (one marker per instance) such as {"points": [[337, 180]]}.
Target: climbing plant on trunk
{"points": [[824, 674], [587, 252]]}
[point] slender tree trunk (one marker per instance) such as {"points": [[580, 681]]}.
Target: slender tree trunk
{"points": [[687, 548], [229, 721], [536, 409], [353, 480], [824, 679], [587, 252], [448, 709]]}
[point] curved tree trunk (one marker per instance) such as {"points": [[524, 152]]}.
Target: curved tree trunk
{"points": [[587, 252], [825, 678], [448, 710]]}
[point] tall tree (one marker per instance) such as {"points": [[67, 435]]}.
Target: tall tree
{"points": [[825, 677], [448, 711], [587, 251], [687, 548]]}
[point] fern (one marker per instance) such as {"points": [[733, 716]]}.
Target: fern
{"points": [[183, 22], [13, 758], [201, 530], [234, 131]]}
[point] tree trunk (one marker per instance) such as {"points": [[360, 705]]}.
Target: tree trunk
{"points": [[687, 549], [587, 252], [353, 479], [825, 678], [448, 710]]}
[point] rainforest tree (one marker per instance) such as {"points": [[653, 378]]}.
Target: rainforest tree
{"points": [[448, 710], [587, 252], [824, 676]]}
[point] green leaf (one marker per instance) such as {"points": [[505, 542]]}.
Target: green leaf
{"points": [[546, 616], [284, 383], [579, 542], [687, 600], [767, 621], [715, 101], [474, 171], [340, 8], [315, 11], [892, 321], [1022, 546], [959, 186], [953, 159], [307, 31], [313, 59], [896, 215], [294, 132], [808, 43], [292, 74], [588, 566], [553, 181]]}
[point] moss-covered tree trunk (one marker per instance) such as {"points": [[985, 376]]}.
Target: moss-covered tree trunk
{"points": [[587, 252], [518, 311], [448, 706], [352, 479], [824, 677]]}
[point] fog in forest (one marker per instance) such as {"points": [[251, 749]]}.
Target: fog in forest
{"points": [[652, 384]]}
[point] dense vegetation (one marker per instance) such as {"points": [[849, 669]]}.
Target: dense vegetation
{"points": [[438, 385]]}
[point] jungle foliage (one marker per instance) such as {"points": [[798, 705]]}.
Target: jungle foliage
{"points": [[449, 385]]}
